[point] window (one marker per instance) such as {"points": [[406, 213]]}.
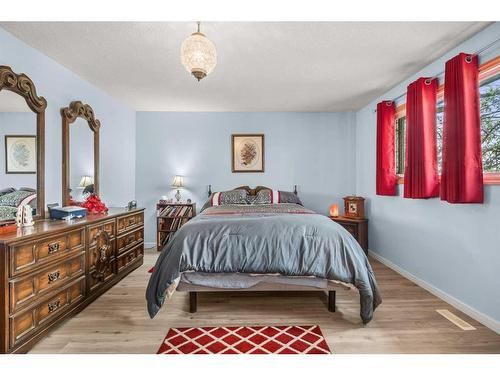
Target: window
{"points": [[489, 91], [400, 143]]}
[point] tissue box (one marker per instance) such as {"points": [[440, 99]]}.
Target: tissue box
{"points": [[63, 212]]}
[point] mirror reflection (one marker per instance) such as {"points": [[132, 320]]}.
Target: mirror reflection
{"points": [[18, 157], [81, 139]]}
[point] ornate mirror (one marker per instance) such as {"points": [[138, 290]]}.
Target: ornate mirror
{"points": [[80, 164], [22, 131]]}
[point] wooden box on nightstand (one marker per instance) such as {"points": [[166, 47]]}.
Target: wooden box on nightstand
{"points": [[357, 227]]}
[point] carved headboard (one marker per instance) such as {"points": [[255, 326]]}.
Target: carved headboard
{"points": [[251, 191]]}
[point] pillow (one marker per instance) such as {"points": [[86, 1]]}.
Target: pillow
{"points": [[7, 191], [268, 196], [16, 198], [226, 197], [28, 189]]}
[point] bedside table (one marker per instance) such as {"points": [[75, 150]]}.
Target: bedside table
{"points": [[357, 227], [169, 218]]}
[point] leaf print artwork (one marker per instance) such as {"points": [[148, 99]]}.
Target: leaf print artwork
{"points": [[248, 153], [21, 154]]}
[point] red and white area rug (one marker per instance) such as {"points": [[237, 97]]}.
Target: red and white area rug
{"points": [[245, 340]]}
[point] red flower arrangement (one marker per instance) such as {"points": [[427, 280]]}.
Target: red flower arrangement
{"points": [[94, 205]]}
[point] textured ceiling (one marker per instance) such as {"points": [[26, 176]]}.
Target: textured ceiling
{"points": [[262, 66]]}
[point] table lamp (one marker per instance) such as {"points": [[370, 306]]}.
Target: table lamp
{"points": [[334, 210], [178, 183]]}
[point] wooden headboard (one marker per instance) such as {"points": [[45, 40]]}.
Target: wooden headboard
{"points": [[251, 191]]}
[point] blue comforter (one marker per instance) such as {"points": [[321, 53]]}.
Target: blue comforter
{"points": [[279, 238]]}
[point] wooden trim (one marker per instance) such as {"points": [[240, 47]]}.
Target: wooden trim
{"points": [[22, 85], [491, 178], [488, 179], [69, 115]]}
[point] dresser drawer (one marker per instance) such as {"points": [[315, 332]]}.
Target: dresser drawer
{"points": [[96, 282], [108, 226], [351, 228], [23, 290], [129, 222], [129, 240], [28, 322], [130, 257], [25, 257]]}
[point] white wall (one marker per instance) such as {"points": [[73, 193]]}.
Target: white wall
{"points": [[312, 150], [454, 248], [60, 86]]}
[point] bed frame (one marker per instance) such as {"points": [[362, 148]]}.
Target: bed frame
{"points": [[194, 289]]}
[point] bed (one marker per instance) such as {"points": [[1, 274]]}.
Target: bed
{"points": [[11, 199], [254, 247]]}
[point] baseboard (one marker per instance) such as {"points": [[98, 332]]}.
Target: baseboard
{"points": [[484, 319], [148, 245]]}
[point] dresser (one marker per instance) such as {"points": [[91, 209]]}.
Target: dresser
{"points": [[54, 269], [357, 227]]}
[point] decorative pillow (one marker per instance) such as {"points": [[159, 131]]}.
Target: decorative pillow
{"points": [[226, 197], [28, 189], [275, 196], [17, 198], [7, 191]]}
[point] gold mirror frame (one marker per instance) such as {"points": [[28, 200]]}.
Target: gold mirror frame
{"points": [[22, 85], [69, 115]]}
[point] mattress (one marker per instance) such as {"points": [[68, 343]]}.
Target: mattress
{"points": [[244, 281]]}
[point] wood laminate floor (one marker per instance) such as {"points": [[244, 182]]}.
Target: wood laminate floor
{"points": [[406, 322]]}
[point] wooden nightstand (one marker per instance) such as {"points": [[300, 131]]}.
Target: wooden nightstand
{"points": [[357, 227], [170, 217]]}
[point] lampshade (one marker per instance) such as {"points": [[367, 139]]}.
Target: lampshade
{"points": [[86, 181], [198, 55], [178, 182]]}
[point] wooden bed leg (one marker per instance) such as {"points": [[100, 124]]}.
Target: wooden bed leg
{"points": [[192, 302], [331, 300]]}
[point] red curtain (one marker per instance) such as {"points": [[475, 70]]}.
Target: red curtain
{"points": [[386, 172], [421, 175], [462, 169]]}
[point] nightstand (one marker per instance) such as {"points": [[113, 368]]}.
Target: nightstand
{"points": [[357, 227], [169, 218]]}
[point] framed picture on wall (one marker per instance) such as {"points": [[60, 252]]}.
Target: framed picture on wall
{"points": [[247, 152], [20, 154]]}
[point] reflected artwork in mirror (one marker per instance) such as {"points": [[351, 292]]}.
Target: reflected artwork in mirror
{"points": [[80, 175], [21, 142]]}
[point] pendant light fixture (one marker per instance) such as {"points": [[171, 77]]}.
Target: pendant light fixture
{"points": [[198, 55]]}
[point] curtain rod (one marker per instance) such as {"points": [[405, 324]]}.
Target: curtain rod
{"points": [[478, 52]]}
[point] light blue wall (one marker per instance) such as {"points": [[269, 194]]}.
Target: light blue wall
{"points": [[312, 150], [456, 248], [60, 86]]}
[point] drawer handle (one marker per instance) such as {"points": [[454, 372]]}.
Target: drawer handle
{"points": [[53, 247], [53, 306], [130, 239], [53, 276], [131, 221]]}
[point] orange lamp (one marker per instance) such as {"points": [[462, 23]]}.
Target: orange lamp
{"points": [[334, 210]]}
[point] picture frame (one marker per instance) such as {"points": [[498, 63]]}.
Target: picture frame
{"points": [[247, 153], [20, 154]]}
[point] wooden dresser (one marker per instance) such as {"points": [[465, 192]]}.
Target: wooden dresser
{"points": [[54, 269]]}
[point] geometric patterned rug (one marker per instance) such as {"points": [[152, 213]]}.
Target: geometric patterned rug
{"points": [[245, 340]]}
